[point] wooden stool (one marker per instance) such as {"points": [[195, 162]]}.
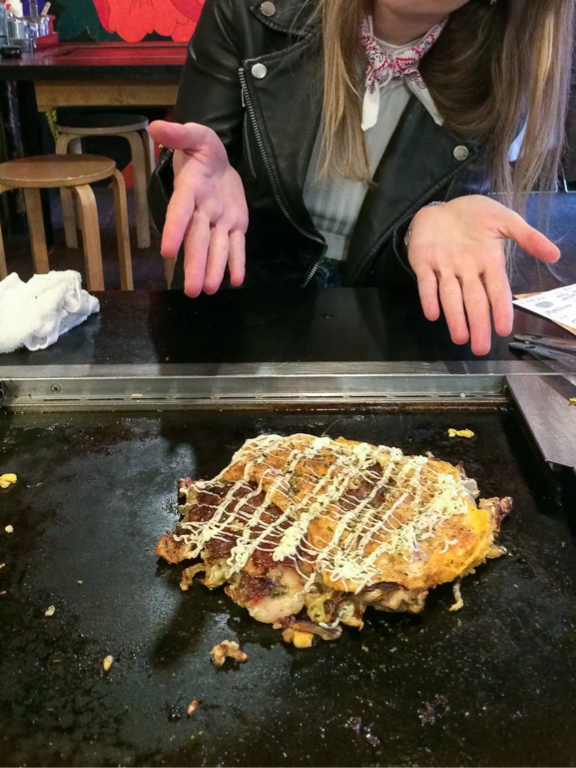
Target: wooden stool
{"points": [[133, 128], [74, 174]]}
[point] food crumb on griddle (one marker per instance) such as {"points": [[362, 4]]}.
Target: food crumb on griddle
{"points": [[467, 433], [297, 638], [107, 663], [2, 565], [431, 710], [3, 592], [459, 604], [188, 576], [7, 480], [227, 649], [495, 552], [355, 723], [9, 529], [192, 707], [50, 611]]}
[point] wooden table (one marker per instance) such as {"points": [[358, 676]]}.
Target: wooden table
{"points": [[100, 74], [88, 75]]}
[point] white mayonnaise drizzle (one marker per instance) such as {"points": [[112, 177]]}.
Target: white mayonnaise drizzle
{"points": [[391, 514]]}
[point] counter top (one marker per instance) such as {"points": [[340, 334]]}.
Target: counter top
{"points": [[242, 326], [92, 61]]}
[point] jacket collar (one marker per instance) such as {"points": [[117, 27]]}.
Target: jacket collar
{"points": [[295, 17]]}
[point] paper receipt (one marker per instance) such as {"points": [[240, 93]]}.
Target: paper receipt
{"points": [[558, 305]]}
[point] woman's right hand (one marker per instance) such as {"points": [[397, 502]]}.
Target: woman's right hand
{"points": [[208, 210]]}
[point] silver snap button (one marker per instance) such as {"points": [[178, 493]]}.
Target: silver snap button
{"points": [[268, 8], [259, 71], [461, 153]]}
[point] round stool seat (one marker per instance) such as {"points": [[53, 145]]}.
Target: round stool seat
{"points": [[129, 127], [103, 125], [48, 171]]}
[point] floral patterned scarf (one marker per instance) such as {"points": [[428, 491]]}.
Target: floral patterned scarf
{"points": [[384, 66]]}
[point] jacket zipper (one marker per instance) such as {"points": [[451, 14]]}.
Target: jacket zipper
{"points": [[247, 101], [311, 272], [249, 158]]}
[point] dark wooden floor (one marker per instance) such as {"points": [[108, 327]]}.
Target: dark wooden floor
{"points": [[558, 221]]}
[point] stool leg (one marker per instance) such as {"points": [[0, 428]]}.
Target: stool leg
{"points": [[36, 227], [122, 232], [90, 237], [3, 266], [139, 167], [68, 212], [169, 267], [148, 151], [150, 160], [75, 148]]}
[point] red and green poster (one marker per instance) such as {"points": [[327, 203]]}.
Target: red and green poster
{"points": [[129, 20]]}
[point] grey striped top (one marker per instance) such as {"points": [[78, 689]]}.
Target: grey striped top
{"points": [[334, 202]]}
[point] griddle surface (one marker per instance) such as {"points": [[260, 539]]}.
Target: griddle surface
{"points": [[491, 685]]}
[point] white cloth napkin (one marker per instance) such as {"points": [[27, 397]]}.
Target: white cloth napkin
{"points": [[36, 313]]}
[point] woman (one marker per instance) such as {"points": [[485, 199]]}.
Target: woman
{"points": [[327, 132]]}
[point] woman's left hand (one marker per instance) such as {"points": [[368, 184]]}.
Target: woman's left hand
{"points": [[457, 251]]}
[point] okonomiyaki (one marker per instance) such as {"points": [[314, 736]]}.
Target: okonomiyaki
{"points": [[307, 532]]}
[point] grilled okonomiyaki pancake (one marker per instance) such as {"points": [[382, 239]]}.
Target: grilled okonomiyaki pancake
{"points": [[327, 527]]}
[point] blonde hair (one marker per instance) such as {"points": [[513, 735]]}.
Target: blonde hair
{"points": [[495, 69]]}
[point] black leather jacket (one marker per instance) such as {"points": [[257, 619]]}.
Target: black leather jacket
{"points": [[254, 74]]}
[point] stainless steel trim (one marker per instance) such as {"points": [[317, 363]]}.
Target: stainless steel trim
{"points": [[549, 415], [124, 387]]}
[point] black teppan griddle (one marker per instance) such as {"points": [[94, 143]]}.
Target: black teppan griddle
{"points": [[491, 685]]}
